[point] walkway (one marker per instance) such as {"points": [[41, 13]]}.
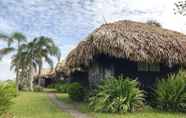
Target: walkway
{"points": [[66, 107]]}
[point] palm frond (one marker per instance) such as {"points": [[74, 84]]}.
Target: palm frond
{"points": [[3, 37], [5, 51]]}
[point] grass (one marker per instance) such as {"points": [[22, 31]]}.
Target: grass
{"points": [[35, 105], [147, 113]]}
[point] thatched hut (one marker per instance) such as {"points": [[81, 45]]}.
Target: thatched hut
{"points": [[134, 49], [46, 77]]}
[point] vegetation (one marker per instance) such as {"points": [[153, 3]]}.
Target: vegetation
{"points": [[180, 7], [35, 105], [7, 92], [31, 56], [62, 88], [153, 23], [76, 92], [118, 95], [38, 88], [170, 94], [15, 38], [148, 112]]}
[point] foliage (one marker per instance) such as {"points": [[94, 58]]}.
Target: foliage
{"points": [[62, 87], [148, 111], [117, 95], [180, 7], [7, 92], [153, 23], [32, 55], [38, 88], [76, 92], [170, 94], [15, 37]]}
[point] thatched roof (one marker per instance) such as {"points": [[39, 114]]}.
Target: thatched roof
{"points": [[130, 40], [47, 73]]}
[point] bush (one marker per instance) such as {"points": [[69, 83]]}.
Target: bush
{"points": [[38, 88], [170, 94], [117, 95], [7, 92], [51, 86], [62, 87], [76, 92]]}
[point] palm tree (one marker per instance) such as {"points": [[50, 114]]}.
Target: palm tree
{"points": [[33, 54], [17, 38], [44, 49]]}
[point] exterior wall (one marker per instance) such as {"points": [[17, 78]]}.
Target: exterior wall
{"points": [[80, 77], [97, 73], [106, 66]]}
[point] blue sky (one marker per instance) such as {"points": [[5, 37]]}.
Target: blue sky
{"points": [[69, 21]]}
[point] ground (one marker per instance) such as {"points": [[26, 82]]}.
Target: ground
{"points": [[35, 105], [40, 105]]}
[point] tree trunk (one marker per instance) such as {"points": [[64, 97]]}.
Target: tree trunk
{"points": [[38, 77], [31, 79], [17, 81]]}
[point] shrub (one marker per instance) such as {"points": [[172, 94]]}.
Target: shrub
{"points": [[76, 92], [7, 92], [154, 23], [170, 94], [10, 88], [62, 87], [38, 88], [51, 86], [117, 95]]}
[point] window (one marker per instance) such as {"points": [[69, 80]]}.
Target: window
{"points": [[142, 67], [148, 67], [154, 67]]}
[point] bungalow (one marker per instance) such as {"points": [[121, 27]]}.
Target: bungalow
{"points": [[133, 49], [46, 77]]}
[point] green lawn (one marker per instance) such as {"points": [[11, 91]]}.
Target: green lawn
{"points": [[35, 105], [147, 113]]}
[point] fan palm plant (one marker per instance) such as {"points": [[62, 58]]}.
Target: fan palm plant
{"points": [[15, 37], [32, 55]]}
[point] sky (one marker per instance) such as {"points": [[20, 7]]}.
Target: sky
{"points": [[70, 21]]}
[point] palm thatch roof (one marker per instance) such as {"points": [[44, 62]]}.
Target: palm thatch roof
{"points": [[131, 40], [46, 73]]}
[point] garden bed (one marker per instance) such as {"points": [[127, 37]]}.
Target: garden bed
{"points": [[147, 113]]}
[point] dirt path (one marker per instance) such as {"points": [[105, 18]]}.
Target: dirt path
{"points": [[66, 107]]}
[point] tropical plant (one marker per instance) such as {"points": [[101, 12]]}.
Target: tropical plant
{"points": [[7, 92], [76, 92], [17, 38], [170, 94], [63, 88], [44, 48], [153, 23], [180, 7], [117, 94], [38, 88], [32, 55]]}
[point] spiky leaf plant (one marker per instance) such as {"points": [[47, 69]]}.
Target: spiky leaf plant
{"points": [[170, 94], [118, 95]]}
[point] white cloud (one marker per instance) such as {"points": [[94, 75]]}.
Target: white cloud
{"points": [[5, 72]]}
